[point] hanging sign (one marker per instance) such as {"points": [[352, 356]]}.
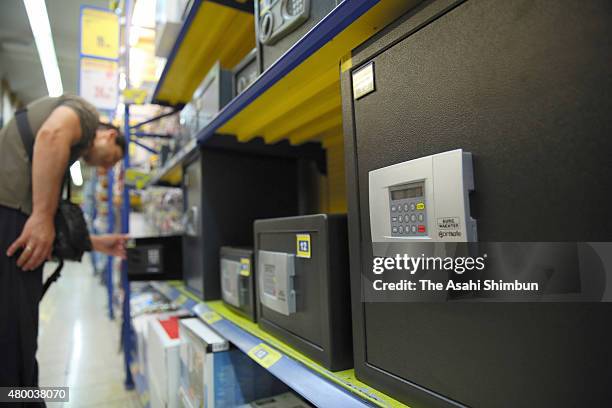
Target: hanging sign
{"points": [[99, 33], [99, 82]]}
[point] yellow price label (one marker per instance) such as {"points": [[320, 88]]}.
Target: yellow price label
{"points": [[245, 267], [136, 178], [264, 355], [99, 33], [210, 317], [181, 300], [135, 96], [303, 245], [144, 398]]}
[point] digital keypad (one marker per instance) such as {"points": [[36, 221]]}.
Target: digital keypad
{"points": [[408, 217]]}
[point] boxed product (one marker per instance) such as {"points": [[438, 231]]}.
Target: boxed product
{"points": [[163, 362], [212, 374]]}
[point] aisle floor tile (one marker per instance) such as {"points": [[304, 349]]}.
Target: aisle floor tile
{"points": [[78, 345]]}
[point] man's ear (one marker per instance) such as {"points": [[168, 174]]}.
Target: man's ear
{"points": [[106, 134]]}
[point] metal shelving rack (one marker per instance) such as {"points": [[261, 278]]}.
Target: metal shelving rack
{"points": [[316, 384], [349, 24]]}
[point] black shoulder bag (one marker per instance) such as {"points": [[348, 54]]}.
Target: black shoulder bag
{"points": [[71, 233]]}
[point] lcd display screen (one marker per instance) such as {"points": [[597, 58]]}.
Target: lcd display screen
{"points": [[410, 192]]}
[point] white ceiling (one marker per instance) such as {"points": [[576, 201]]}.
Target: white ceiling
{"points": [[19, 62]]}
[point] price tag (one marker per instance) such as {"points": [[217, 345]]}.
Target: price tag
{"points": [[144, 398], [245, 267], [181, 300], [135, 96], [200, 309], [303, 245], [264, 355], [210, 317]]}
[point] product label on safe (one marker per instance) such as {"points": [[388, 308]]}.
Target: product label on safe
{"points": [[303, 245], [363, 81]]}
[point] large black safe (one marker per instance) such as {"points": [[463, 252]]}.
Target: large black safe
{"points": [[228, 185], [525, 87], [279, 24], [301, 267]]}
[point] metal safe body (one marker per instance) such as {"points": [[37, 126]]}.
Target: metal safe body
{"points": [[523, 86], [281, 23], [225, 192], [154, 258], [238, 281], [245, 73], [213, 93], [313, 315], [228, 185]]}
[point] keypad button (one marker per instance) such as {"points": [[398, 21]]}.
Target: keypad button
{"points": [[421, 217], [405, 207], [393, 219], [421, 228], [394, 230], [413, 229], [393, 208], [413, 217], [420, 206], [412, 207], [400, 229]]}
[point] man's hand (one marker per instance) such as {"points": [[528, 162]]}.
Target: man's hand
{"points": [[110, 244], [36, 239]]}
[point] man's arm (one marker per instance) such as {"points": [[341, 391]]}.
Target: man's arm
{"points": [[110, 244], [57, 134]]}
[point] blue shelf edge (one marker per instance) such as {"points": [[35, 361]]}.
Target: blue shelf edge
{"points": [[141, 386], [316, 389]]}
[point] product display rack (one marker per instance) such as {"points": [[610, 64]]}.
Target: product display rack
{"points": [[316, 384], [296, 100], [298, 97]]}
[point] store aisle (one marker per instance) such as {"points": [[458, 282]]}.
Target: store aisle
{"points": [[78, 346]]}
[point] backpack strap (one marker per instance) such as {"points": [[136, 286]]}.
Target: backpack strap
{"points": [[54, 276], [25, 131], [27, 138]]}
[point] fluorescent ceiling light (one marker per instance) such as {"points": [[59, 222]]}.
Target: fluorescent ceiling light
{"points": [[39, 21], [75, 173]]}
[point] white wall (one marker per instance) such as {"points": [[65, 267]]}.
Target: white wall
{"points": [[7, 107]]}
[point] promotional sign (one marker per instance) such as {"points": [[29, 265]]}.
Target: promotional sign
{"points": [[98, 82], [98, 58], [99, 33]]}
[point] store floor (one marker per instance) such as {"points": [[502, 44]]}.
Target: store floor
{"points": [[78, 345]]}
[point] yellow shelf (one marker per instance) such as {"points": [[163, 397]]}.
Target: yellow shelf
{"points": [[305, 105], [213, 32]]}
